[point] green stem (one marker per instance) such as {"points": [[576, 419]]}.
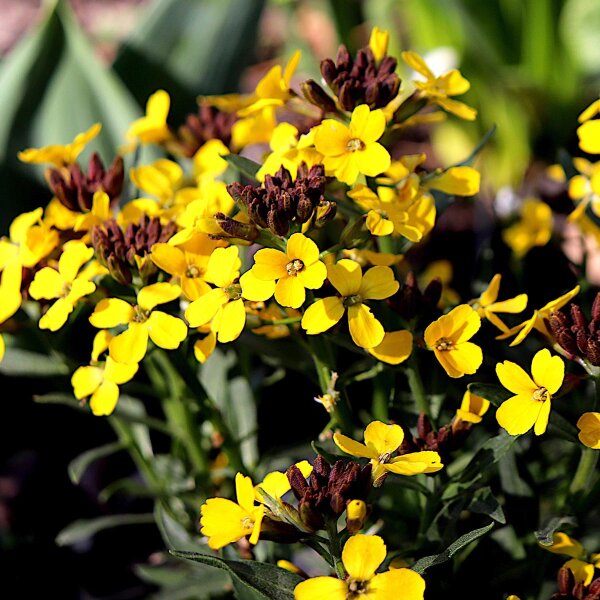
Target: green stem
{"points": [[335, 548], [416, 386], [584, 472]]}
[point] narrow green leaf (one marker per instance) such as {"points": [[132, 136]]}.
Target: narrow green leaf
{"points": [[437, 559], [510, 479], [83, 529], [483, 142], [485, 503], [328, 456], [244, 165], [560, 427], [263, 579], [493, 393], [24, 363], [78, 466], [544, 535]]}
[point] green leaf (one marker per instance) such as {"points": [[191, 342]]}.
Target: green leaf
{"points": [[544, 535], [24, 363], [437, 559], [78, 466], [493, 393], [560, 427], [263, 580], [84, 529], [244, 165], [328, 456], [485, 503], [510, 479], [174, 534], [189, 47]]}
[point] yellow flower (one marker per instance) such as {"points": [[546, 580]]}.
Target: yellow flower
{"points": [[589, 131], [61, 155], [102, 384], [100, 212], [589, 429], [534, 228], [584, 189], [538, 320], [472, 408], [142, 321], [208, 162], [159, 179], [66, 284], [352, 150], [487, 307], [378, 42], [354, 288], [366, 257], [395, 348], [152, 128], [267, 315], [448, 338], [583, 571], [530, 407], [224, 522], [381, 441], [222, 306], [438, 89], [362, 556], [285, 274], [277, 484]]}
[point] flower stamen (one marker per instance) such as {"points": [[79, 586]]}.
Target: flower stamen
{"points": [[354, 145], [294, 267]]}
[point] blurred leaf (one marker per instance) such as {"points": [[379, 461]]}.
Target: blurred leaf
{"points": [[189, 47], [560, 427], [174, 534], [78, 466], [244, 165], [83, 529], [544, 535], [263, 580], [437, 559], [24, 363], [485, 503], [582, 17], [510, 479], [328, 456]]}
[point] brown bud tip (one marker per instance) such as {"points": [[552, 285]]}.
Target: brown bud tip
{"points": [[565, 580], [316, 95]]}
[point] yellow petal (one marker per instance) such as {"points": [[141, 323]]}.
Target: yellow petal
{"points": [[460, 109], [74, 256], [490, 294], [223, 266], [47, 284], [383, 438], [564, 544], [365, 329], [541, 423], [583, 572], [589, 136], [378, 42], [548, 371], [385, 586], [373, 159], [367, 125], [222, 522], [244, 491], [2, 347], [415, 463], [345, 276], [119, 373], [518, 414], [460, 181], [56, 316], [395, 348], [465, 323], [302, 247], [321, 588], [169, 258], [362, 555], [166, 331], [414, 61], [466, 358], [131, 345], [331, 138], [232, 322], [289, 291], [512, 305], [202, 310], [256, 289], [313, 276], [157, 293], [10, 290], [104, 400], [85, 381], [322, 315], [589, 425], [378, 283], [269, 264], [515, 379], [353, 448], [379, 225], [110, 312]]}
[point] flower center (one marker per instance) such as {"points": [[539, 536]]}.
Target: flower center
{"points": [[193, 271], [354, 144], [234, 291], [357, 588], [247, 523], [352, 300], [541, 394], [385, 457], [444, 344], [141, 314], [294, 267]]}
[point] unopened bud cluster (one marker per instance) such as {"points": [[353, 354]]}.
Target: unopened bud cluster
{"points": [[569, 589], [409, 301]]}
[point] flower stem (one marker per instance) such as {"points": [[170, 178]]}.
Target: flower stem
{"points": [[416, 385], [335, 548]]}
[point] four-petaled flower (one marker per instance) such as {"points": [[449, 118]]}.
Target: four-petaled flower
{"points": [[362, 556], [448, 338], [224, 522], [381, 441], [530, 407], [354, 288]]}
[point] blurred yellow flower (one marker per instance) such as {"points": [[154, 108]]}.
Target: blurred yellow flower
{"points": [[378, 42], [472, 408], [534, 228], [487, 305], [589, 131], [448, 338], [152, 128], [530, 406], [589, 429]]}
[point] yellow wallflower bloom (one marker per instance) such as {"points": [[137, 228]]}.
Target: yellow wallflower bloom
{"points": [[352, 150], [583, 571], [159, 179], [208, 162], [589, 131], [61, 155], [487, 305], [102, 384], [589, 429], [378, 42], [584, 189], [285, 274], [534, 228], [142, 321], [438, 89], [224, 522], [362, 555], [277, 484], [222, 306], [152, 128], [355, 289], [381, 441], [448, 338], [530, 407], [395, 348], [537, 321], [472, 408], [66, 284]]}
